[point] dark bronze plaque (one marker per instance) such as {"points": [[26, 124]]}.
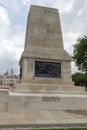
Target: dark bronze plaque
{"points": [[47, 69]]}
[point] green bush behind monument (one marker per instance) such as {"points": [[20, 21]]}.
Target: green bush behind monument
{"points": [[80, 79]]}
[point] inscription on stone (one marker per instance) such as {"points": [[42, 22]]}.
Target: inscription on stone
{"points": [[49, 99], [47, 69]]}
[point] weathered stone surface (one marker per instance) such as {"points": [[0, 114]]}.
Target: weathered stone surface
{"points": [[3, 100], [43, 29], [44, 44], [24, 102], [43, 101]]}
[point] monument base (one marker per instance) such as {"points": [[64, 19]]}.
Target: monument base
{"points": [[42, 109], [48, 88], [23, 102]]}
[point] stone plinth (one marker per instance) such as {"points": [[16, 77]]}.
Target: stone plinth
{"points": [[44, 45], [24, 102], [47, 88]]}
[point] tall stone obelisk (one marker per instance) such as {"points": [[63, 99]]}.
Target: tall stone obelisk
{"points": [[44, 60]]}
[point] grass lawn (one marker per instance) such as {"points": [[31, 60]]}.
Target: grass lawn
{"points": [[63, 129], [71, 129]]}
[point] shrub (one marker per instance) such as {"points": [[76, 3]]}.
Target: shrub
{"points": [[80, 79]]}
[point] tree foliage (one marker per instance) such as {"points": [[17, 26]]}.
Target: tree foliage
{"points": [[80, 48], [80, 79]]}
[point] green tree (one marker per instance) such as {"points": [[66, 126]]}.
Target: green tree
{"points": [[80, 49], [79, 79]]}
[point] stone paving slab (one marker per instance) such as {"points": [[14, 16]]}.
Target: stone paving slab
{"points": [[44, 117], [47, 94]]}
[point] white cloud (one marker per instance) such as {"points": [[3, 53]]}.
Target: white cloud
{"points": [[4, 2], [4, 22], [4, 19], [69, 40], [64, 5], [11, 49], [11, 42], [36, 2], [73, 68]]}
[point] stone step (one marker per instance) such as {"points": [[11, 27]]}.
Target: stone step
{"points": [[48, 88], [23, 102], [46, 80]]}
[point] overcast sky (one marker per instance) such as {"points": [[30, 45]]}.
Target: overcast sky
{"points": [[13, 18]]}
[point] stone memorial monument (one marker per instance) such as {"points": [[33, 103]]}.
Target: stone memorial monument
{"points": [[44, 57], [44, 64], [45, 90]]}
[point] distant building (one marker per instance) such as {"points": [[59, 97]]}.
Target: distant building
{"points": [[1, 79], [10, 78]]}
